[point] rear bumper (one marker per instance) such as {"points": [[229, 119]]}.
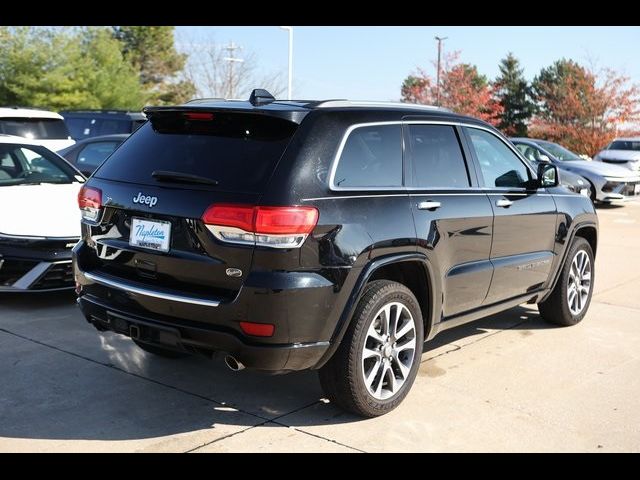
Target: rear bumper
{"points": [[206, 340], [303, 306]]}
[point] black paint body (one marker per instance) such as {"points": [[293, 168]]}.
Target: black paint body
{"points": [[464, 260]]}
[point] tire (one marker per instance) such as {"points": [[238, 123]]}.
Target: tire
{"points": [[160, 351], [343, 377], [556, 308]]}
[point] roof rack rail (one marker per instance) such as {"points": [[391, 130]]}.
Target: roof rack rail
{"points": [[204, 99], [364, 103]]}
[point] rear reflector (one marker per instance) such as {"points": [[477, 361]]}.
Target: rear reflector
{"points": [[278, 227], [90, 203], [257, 329]]}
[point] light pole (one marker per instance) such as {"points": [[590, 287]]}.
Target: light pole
{"points": [[290, 87], [231, 59], [440, 40]]}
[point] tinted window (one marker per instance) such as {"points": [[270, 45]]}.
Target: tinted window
{"points": [[21, 165], [500, 166], [372, 157], [94, 154], [238, 150], [530, 153], [625, 145], [437, 159], [559, 152], [91, 127], [40, 128]]}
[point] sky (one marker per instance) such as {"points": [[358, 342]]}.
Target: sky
{"points": [[370, 63]]}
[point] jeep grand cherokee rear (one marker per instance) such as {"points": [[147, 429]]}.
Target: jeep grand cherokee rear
{"points": [[324, 235]]}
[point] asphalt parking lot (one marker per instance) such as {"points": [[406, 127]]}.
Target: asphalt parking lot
{"points": [[506, 383]]}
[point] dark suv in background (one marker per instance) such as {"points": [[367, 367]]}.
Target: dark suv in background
{"points": [[328, 235], [91, 123]]}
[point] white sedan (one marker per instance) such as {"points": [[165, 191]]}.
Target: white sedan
{"points": [[624, 152], [39, 218]]}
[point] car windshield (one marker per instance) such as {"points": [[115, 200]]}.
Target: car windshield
{"points": [[633, 145], [40, 128], [559, 152], [29, 165]]}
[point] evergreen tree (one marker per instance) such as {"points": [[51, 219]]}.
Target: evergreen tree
{"points": [[514, 94], [152, 51]]}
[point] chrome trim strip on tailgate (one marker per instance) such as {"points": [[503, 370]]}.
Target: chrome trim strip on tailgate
{"points": [[127, 287]]}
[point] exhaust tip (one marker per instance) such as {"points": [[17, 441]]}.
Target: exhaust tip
{"points": [[233, 363]]}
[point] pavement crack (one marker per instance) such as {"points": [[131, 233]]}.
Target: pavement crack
{"points": [[325, 439], [205, 444]]}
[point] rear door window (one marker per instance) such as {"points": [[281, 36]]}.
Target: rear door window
{"points": [[371, 157], [238, 150], [436, 157]]}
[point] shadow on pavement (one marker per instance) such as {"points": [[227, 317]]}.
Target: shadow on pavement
{"points": [[61, 379]]}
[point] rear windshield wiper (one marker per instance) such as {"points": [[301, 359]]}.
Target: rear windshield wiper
{"points": [[178, 177]]}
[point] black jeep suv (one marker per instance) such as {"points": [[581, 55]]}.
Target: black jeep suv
{"points": [[334, 235]]}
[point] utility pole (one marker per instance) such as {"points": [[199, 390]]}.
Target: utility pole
{"points": [[290, 87], [231, 59], [440, 40]]}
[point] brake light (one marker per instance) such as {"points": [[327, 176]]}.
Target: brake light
{"points": [[278, 227], [198, 116], [90, 203]]}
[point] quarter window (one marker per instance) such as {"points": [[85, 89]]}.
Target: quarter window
{"points": [[371, 157], [500, 166], [436, 157]]}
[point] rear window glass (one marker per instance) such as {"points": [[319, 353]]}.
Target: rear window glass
{"points": [[40, 128], [94, 154], [91, 127], [371, 157], [239, 151]]}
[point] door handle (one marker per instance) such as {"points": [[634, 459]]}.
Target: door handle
{"points": [[428, 205], [504, 203]]}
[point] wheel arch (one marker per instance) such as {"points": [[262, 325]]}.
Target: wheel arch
{"points": [[587, 230], [412, 270]]}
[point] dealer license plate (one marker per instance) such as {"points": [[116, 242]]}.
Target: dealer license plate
{"points": [[151, 234]]}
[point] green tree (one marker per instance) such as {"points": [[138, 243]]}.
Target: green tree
{"points": [[152, 51], [58, 68], [514, 94]]}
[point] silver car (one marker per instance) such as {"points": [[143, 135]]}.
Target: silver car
{"points": [[623, 152], [609, 183]]}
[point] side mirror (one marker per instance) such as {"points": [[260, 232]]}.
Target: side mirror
{"points": [[548, 175], [543, 158]]}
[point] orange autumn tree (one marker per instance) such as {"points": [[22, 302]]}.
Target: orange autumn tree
{"points": [[580, 108], [462, 89]]}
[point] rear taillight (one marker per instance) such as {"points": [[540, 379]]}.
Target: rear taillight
{"points": [[277, 227], [90, 203]]}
